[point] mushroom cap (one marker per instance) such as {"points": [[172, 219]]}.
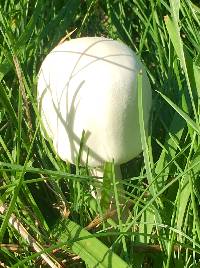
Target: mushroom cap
{"points": [[90, 84]]}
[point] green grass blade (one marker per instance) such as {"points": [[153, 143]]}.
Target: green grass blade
{"points": [[89, 248], [16, 192], [189, 121], [174, 33]]}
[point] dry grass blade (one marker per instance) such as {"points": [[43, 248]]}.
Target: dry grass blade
{"points": [[67, 36], [11, 247], [98, 220], [31, 241]]}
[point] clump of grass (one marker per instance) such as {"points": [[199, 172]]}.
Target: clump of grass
{"points": [[50, 198]]}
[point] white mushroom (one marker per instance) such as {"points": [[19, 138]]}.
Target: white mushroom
{"points": [[90, 84]]}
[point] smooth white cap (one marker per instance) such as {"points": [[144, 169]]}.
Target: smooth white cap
{"points": [[90, 84]]}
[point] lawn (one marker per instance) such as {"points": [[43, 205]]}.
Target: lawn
{"points": [[48, 216]]}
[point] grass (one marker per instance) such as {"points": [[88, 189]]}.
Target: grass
{"points": [[162, 183]]}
